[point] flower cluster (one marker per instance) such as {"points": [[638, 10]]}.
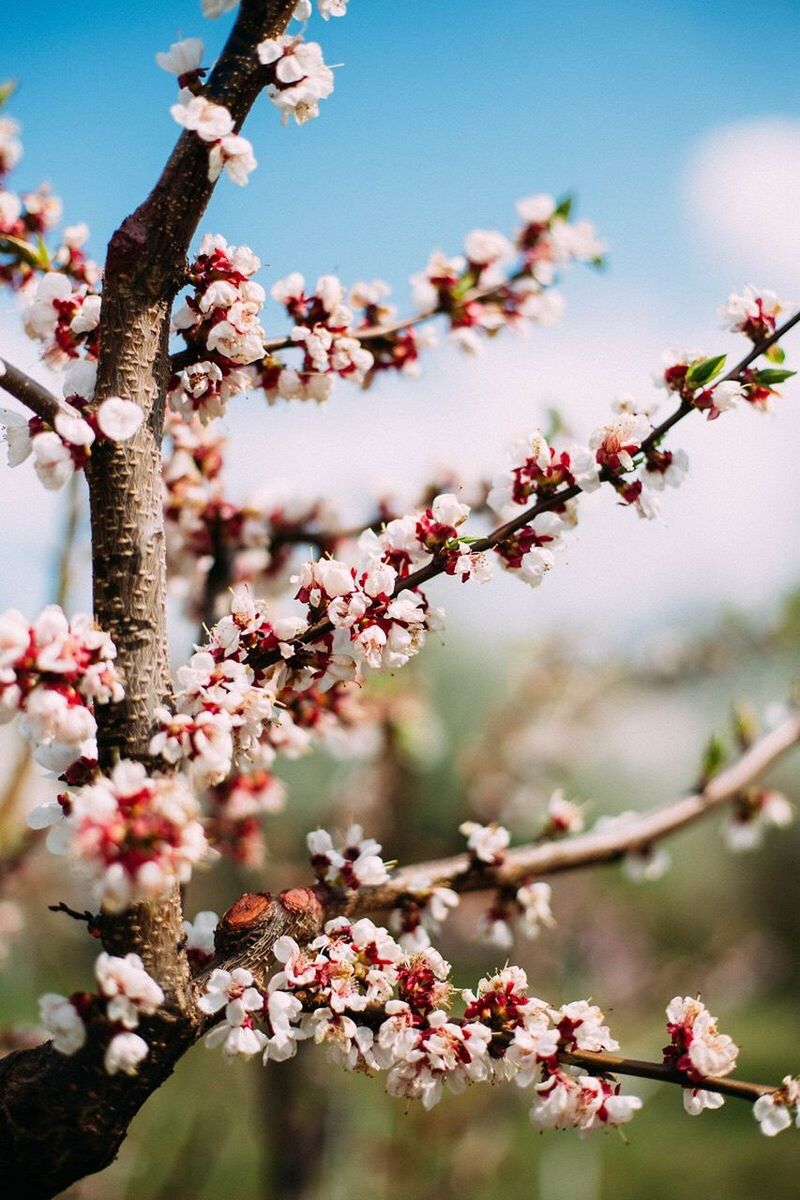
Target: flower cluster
{"points": [[357, 864], [379, 1008], [480, 291], [214, 125], [126, 993], [538, 471], [421, 911], [298, 76], [53, 672], [377, 624], [525, 910], [222, 708], [65, 447], [64, 319], [220, 323], [322, 330], [136, 835], [698, 1048]]}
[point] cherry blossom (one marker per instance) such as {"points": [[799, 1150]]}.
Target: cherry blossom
{"points": [[754, 313], [563, 816], [235, 993], [300, 78], [183, 59], [130, 991], [63, 1022], [134, 834], [616, 443], [773, 1110], [199, 944], [488, 843], [124, 1053], [357, 864]]}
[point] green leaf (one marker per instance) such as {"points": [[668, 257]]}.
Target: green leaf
{"points": [[773, 375], [7, 90], [775, 354], [24, 250], [714, 757], [44, 254], [704, 370], [564, 207], [463, 286]]}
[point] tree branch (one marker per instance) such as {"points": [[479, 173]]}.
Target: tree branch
{"points": [[549, 858], [615, 1064], [556, 499], [250, 928], [33, 395]]}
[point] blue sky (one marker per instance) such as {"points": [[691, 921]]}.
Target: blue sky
{"points": [[444, 114]]}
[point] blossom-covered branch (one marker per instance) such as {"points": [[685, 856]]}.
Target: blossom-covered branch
{"points": [[496, 284], [609, 464], [380, 1008]]}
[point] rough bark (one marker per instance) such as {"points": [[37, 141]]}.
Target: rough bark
{"points": [[63, 1118]]}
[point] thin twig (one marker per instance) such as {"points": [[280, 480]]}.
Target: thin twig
{"points": [[616, 1064], [33, 395], [555, 500]]}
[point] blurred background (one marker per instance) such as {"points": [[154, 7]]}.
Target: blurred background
{"points": [[677, 125]]}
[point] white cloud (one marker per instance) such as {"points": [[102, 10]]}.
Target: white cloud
{"points": [[743, 189]]}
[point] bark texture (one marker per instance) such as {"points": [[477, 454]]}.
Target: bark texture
{"points": [[63, 1118]]}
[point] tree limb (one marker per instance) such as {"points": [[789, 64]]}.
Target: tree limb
{"points": [[248, 928], [616, 1064], [33, 395], [553, 500], [589, 849]]}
